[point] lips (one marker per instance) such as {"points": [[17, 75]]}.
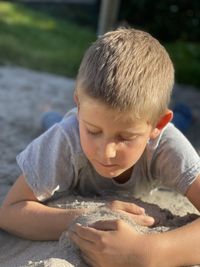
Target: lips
{"points": [[107, 165]]}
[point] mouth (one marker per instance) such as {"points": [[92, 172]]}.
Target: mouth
{"points": [[107, 165]]}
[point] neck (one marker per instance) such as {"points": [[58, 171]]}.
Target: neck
{"points": [[124, 177]]}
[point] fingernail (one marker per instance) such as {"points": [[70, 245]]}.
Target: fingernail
{"points": [[142, 210], [150, 219]]}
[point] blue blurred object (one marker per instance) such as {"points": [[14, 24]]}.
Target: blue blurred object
{"points": [[182, 117], [49, 119]]}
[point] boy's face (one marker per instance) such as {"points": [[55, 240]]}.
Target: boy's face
{"points": [[112, 142]]}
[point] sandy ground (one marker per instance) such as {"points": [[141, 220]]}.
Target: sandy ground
{"points": [[24, 95]]}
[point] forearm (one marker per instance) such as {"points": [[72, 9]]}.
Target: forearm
{"points": [[33, 220], [179, 247]]}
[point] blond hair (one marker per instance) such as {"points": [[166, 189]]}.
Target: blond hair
{"points": [[128, 69]]}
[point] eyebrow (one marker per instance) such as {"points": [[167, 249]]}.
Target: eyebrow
{"points": [[90, 124], [130, 134]]}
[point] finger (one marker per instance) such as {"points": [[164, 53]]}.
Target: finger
{"points": [[88, 233], [143, 220], [81, 243], [113, 225], [87, 259], [126, 206], [137, 213]]}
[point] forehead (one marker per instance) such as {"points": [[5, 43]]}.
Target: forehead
{"points": [[98, 113]]}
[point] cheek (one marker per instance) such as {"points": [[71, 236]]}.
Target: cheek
{"points": [[133, 152], [87, 144]]}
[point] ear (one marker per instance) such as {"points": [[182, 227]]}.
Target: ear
{"points": [[76, 100], [163, 121]]}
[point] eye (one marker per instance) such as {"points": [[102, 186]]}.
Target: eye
{"points": [[126, 139], [93, 132]]}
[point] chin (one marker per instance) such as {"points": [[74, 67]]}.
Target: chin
{"points": [[109, 174]]}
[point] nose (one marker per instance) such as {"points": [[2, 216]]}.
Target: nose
{"points": [[109, 150]]}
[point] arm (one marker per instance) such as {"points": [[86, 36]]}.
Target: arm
{"points": [[22, 215], [122, 246]]}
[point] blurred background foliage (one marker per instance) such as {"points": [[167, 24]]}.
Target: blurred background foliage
{"points": [[176, 23], [53, 37], [37, 40], [170, 20]]}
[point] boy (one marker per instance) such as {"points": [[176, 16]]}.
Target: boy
{"points": [[121, 139]]}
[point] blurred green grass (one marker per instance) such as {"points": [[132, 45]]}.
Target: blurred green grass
{"points": [[39, 41], [186, 58]]}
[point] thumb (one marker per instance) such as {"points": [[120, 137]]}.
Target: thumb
{"points": [[126, 206]]}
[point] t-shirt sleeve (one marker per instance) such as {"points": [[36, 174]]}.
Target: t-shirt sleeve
{"points": [[48, 162], [175, 163]]}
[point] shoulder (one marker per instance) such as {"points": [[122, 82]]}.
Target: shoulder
{"points": [[53, 160], [69, 128], [171, 139], [62, 139], [174, 161]]}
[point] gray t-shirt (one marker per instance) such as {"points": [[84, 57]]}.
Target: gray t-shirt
{"points": [[55, 162]]}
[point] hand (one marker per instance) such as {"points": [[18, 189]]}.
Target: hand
{"points": [[134, 211], [116, 244]]}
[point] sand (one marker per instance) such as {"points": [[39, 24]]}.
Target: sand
{"points": [[24, 95]]}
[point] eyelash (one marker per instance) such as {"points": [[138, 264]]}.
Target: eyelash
{"points": [[93, 133], [121, 139], [124, 140]]}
